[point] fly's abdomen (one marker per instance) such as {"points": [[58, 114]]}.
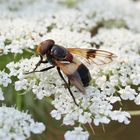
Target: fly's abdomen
{"points": [[84, 74]]}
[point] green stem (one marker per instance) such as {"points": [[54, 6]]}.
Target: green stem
{"points": [[103, 127], [134, 113], [91, 127], [49, 100], [30, 51], [18, 101]]}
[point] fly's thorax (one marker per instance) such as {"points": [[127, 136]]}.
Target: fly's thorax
{"points": [[51, 60], [58, 52]]}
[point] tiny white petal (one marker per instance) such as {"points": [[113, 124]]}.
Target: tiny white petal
{"points": [[76, 134], [37, 128]]}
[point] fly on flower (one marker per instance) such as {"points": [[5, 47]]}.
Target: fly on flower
{"points": [[66, 60]]}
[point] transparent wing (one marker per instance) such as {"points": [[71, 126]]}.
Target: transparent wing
{"points": [[98, 57]]}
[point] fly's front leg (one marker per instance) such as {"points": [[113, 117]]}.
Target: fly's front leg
{"points": [[45, 69], [40, 61], [37, 65], [67, 85]]}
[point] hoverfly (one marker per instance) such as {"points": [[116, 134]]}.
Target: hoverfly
{"points": [[64, 60]]}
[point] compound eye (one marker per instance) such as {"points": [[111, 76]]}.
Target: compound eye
{"points": [[44, 46]]}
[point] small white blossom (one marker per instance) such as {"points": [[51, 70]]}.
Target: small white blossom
{"points": [[114, 80], [21, 84], [113, 99], [85, 118], [69, 119], [101, 119], [55, 114], [11, 66], [37, 128], [135, 79], [4, 79], [76, 134], [101, 81], [120, 116], [127, 93]]}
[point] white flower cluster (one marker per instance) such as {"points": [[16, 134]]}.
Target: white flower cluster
{"points": [[16, 125], [106, 23], [96, 106]]}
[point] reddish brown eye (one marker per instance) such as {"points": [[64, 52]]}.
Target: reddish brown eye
{"points": [[44, 46]]}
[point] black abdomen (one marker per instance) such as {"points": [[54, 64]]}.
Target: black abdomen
{"points": [[84, 74]]}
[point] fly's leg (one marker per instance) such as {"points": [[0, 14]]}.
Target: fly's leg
{"points": [[67, 85], [38, 64], [46, 69]]}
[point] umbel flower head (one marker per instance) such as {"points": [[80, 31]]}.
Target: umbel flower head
{"points": [[16, 125]]}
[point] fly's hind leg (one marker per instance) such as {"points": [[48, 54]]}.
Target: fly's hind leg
{"points": [[67, 85]]}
